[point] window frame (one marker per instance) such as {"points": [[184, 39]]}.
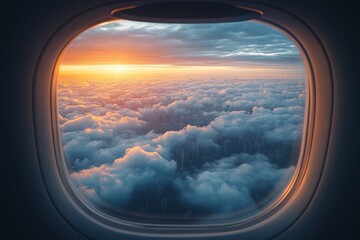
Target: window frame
{"points": [[270, 222]]}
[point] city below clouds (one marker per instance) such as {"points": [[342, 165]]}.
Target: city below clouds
{"points": [[204, 147]]}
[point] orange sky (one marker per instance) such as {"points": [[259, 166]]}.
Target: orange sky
{"points": [[112, 53], [127, 52], [167, 72]]}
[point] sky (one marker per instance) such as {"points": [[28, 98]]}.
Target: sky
{"points": [[183, 119], [136, 49]]}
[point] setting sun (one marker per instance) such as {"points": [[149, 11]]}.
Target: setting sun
{"points": [[134, 51], [167, 72]]}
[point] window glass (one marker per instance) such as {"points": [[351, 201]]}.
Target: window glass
{"points": [[181, 122]]}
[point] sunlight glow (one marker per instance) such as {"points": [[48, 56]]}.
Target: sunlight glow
{"points": [[168, 72]]}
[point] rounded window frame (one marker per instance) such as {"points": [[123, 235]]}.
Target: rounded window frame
{"points": [[270, 222]]}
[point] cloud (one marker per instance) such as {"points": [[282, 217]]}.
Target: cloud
{"points": [[230, 184], [210, 147], [280, 124], [171, 140], [138, 172], [80, 123], [183, 44]]}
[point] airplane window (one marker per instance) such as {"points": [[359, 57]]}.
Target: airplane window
{"points": [[181, 123]]}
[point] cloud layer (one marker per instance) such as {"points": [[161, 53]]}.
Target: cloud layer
{"points": [[167, 147]]}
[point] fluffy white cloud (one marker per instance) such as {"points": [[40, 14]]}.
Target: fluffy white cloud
{"points": [[231, 183], [80, 123], [138, 171], [214, 146], [200, 135]]}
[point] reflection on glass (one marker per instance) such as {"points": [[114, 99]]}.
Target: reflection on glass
{"points": [[179, 122]]}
